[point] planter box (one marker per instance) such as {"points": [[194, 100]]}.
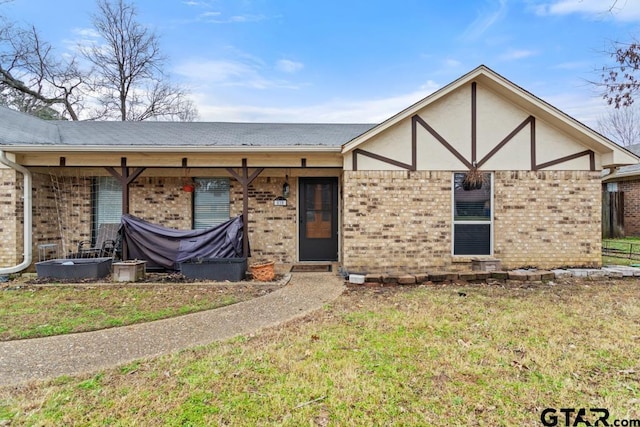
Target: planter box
{"points": [[218, 269], [74, 268], [128, 271]]}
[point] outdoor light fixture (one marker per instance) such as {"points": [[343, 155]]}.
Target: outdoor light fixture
{"points": [[285, 187]]}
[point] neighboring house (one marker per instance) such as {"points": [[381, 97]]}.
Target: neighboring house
{"points": [[376, 198], [626, 180]]}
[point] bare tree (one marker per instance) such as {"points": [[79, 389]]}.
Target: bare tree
{"points": [[621, 125], [122, 77], [128, 68], [32, 79], [620, 81]]}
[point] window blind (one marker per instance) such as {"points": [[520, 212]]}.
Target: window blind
{"points": [[108, 201], [210, 202]]}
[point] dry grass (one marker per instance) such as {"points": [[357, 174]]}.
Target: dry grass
{"points": [[442, 356]]}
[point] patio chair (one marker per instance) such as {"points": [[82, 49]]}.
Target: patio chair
{"points": [[105, 245]]}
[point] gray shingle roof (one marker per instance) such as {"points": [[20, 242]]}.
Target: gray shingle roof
{"points": [[624, 171], [208, 134], [22, 129]]}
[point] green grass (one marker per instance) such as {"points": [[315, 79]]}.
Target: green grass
{"points": [[29, 312], [627, 251], [408, 356]]}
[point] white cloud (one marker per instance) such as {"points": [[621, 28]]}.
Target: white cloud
{"points": [[334, 111], [85, 37], [248, 74], [246, 18], [517, 54], [289, 66], [235, 19], [622, 10], [580, 66], [486, 19], [86, 33], [452, 63], [208, 15], [581, 105]]}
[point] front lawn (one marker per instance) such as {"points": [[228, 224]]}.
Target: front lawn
{"points": [[28, 311], [429, 355]]}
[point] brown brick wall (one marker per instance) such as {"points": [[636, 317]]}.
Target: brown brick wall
{"points": [[272, 229], [401, 221], [548, 219], [396, 221], [45, 228], [631, 191], [62, 212], [161, 201], [10, 228], [392, 220]]}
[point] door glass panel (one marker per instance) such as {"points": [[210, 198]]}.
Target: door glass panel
{"points": [[318, 211]]}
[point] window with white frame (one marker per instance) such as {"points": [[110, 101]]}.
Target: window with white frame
{"points": [[108, 201], [210, 202], [472, 216]]}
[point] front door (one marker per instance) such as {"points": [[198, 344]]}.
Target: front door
{"points": [[318, 219]]}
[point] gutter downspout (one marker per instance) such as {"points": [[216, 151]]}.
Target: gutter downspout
{"points": [[28, 219]]}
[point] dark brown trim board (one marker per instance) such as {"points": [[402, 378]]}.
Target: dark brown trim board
{"points": [[245, 180]]}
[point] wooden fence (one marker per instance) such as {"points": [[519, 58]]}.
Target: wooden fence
{"points": [[612, 214]]}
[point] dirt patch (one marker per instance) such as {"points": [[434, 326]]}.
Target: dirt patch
{"points": [[149, 278]]}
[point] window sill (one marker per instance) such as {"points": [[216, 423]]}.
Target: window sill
{"points": [[469, 258]]}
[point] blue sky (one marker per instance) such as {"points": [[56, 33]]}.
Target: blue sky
{"points": [[361, 61]]}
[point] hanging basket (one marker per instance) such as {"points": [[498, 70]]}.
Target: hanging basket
{"points": [[472, 180], [263, 272]]}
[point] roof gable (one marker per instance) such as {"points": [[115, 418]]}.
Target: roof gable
{"points": [[610, 154]]}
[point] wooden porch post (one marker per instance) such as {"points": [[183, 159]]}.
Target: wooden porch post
{"points": [[245, 180], [125, 179]]}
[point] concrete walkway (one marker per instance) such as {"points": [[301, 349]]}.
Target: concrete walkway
{"points": [[43, 358]]}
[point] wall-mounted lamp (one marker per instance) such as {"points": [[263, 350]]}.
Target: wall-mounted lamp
{"points": [[285, 187]]}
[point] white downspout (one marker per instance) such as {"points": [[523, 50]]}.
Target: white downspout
{"points": [[28, 219]]}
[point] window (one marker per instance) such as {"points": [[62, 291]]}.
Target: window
{"points": [[108, 201], [210, 202], [472, 216]]}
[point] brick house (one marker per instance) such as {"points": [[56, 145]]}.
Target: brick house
{"points": [[626, 180], [375, 198]]}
